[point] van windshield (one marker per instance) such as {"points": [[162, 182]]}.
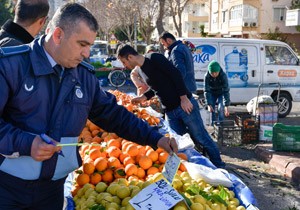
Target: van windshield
{"points": [[98, 49], [280, 55]]}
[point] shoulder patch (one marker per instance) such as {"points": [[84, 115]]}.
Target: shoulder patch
{"points": [[13, 50], [89, 67]]}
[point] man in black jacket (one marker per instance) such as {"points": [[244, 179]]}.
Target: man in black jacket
{"points": [[30, 17]]}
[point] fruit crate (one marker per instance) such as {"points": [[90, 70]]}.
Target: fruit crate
{"points": [[227, 133], [286, 138], [250, 135], [246, 120]]}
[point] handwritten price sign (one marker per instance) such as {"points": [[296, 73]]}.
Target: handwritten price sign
{"points": [[159, 195], [171, 167]]}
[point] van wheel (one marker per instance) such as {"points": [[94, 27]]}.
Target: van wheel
{"points": [[284, 104], [117, 78]]}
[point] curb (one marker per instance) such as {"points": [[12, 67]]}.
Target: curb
{"points": [[287, 163]]}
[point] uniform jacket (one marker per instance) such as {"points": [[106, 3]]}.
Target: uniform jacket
{"points": [[33, 101], [182, 59], [216, 87], [12, 34]]}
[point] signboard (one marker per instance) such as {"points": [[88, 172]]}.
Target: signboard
{"points": [[159, 195], [171, 167], [292, 17]]}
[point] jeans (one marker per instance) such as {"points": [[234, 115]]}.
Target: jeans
{"points": [[221, 115], [192, 123]]}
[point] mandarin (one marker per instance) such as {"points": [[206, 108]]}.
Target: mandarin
{"points": [[132, 150], [101, 164], [141, 173], [88, 168], [128, 160], [95, 178], [153, 155], [182, 156], [131, 169], [145, 162], [113, 162], [82, 179], [113, 151], [163, 156], [107, 176], [152, 170], [94, 153]]}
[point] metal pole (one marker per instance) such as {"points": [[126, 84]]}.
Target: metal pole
{"points": [[135, 33]]}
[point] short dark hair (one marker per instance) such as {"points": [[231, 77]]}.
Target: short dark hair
{"points": [[125, 50], [29, 11], [68, 17], [165, 35]]}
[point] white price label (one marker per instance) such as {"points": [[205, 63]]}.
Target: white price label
{"points": [[171, 167], [159, 195]]}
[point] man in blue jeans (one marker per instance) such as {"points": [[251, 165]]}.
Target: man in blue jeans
{"points": [[216, 89], [181, 109]]}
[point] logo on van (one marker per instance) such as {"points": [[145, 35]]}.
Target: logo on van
{"points": [[203, 53], [287, 73]]}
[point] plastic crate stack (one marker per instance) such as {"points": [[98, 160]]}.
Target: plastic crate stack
{"points": [[244, 129]]}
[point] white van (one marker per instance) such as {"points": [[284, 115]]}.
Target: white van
{"points": [[249, 63]]}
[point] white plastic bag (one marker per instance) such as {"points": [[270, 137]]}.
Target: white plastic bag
{"points": [[184, 142], [214, 177], [252, 104]]}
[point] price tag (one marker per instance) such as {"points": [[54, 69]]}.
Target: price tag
{"points": [[171, 167], [159, 195]]}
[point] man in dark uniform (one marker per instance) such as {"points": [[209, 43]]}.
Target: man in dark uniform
{"points": [[48, 89], [30, 17]]}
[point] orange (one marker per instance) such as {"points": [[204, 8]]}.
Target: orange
{"points": [[133, 178], [88, 168], [97, 139], [128, 160], [75, 189], [182, 156], [132, 150], [101, 164], [95, 178], [123, 156], [113, 162], [159, 150], [119, 172], [92, 127], [140, 173], [152, 170], [161, 167], [104, 134], [95, 132], [113, 151], [94, 153], [114, 142], [145, 162], [153, 155], [107, 176], [125, 144], [142, 149], [82, 179], [95, 145], [182, 167], [131, 169], [163, 156]]}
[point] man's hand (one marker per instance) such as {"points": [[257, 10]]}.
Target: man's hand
{"points": [[168, 144], [226, 111], [41, 151], [186, 104], [139, 99]]}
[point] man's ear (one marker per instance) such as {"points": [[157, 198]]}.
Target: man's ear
{"points": [[57, 35]]}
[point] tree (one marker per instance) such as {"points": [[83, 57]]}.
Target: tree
{"points": [[6, 8], [147, 14], [176, 8]]}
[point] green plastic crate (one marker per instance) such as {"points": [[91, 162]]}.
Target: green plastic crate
{"points": [[286, 138]]}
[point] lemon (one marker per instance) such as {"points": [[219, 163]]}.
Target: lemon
{"points": [[125, 201], [197, 206], [101, 187], [123, 192], [199, 199]]}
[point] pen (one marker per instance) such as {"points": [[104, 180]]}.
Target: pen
{"points": [[47, 139]]}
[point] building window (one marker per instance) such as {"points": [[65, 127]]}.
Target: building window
{"points": [[236, 12], [278, 14]]}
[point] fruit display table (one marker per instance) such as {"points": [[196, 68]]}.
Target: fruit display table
{"points": [[125, 175]]}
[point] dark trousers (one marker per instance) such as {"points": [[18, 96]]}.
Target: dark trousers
{"points": [[19, 194]]}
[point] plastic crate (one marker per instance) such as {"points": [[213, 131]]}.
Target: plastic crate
{"points": [[267, 113], [227, 133], [246, 120], [286, 138], [250, 135]]}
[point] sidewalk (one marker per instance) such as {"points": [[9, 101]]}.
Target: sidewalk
{"points": [[287, 163]]}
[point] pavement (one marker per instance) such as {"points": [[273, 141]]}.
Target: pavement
{"points": [[286, 163]]}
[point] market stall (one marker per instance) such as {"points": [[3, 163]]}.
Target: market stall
{"points": [[115, 170]]}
